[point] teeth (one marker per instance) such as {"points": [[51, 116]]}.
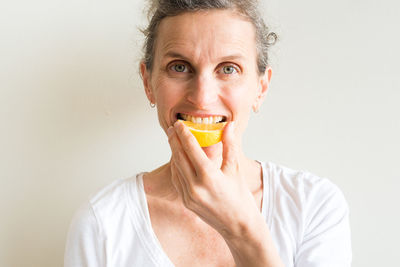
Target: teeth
{"points": [[206, 120], [217, 119]]}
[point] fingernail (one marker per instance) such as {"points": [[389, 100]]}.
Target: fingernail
{"points": [[177, 123], [170, 131]]}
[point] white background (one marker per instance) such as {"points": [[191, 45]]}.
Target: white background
{"points": [[74, 116]]}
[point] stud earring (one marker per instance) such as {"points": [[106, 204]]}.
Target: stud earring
{"points": [[152, 105]]}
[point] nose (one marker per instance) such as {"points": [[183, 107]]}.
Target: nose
{"points": [[203, 91]]}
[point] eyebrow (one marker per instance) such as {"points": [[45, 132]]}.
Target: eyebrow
{"points": [[173, 54]]}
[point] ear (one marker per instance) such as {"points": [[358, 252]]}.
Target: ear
{"points": [[145, 74], [264, 82]]}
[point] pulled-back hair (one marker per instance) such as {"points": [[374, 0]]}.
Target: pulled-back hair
{"points": [[159, 9]]}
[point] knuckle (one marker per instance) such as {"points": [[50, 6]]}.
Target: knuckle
{"points": [[202, 173], [189, 205], [189, 202], [195, 197], [178, 156], [193, 193], [186, 202], [171, 138], [189, 149]]}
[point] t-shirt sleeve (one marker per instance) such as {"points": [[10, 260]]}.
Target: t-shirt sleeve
{"points": [[84, 242], [326, 231]]}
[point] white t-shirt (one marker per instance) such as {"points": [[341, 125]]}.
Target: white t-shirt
{"points": [[307, 217]]}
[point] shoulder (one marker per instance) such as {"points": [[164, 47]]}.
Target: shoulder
{"points": [[101, 203], [101, 210], [105, 221], [307, 202], [303, 186], [97, 219], [111, 196], [313, 212]]}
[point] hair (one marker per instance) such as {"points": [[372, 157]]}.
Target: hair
{"points": [[159, 9]]}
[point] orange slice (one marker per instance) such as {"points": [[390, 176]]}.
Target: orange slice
{"points": [[206, 134]]}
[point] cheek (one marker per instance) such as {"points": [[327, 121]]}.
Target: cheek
{"points": [[166, 98], [166, 92], [240, 97]]}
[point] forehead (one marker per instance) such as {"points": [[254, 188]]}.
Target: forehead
{"points": [[206, 34]]}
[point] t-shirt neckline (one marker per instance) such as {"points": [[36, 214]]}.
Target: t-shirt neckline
{"points": [[157, 252], [152, 241]]}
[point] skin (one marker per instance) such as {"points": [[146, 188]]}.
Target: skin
{"points": [[205, 203]]}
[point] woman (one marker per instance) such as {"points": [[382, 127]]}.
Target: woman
{"points": [[207, 61]]}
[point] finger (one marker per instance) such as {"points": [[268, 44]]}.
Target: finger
{"points": [[175, 179], [181, 160], [230, 152], [190, 145], [181, 185]]}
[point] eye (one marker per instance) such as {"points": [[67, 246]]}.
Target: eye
{"points": [[229, 69], [179, 67]]}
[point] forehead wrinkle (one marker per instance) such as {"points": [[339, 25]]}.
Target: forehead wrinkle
{"points": [[218, 44], [205, 51]]}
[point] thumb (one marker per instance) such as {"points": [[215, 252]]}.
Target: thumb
{"points": [[230, 149]]}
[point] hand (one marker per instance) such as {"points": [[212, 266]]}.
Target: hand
{"points": [[219, 196]]}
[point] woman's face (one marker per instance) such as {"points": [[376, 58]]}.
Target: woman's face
{"points": [[205, 69]]}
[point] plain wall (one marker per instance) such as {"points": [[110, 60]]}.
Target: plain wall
{"points": [[74, 116]]}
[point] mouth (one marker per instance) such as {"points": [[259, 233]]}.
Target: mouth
{"points": [[202, 120]]}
